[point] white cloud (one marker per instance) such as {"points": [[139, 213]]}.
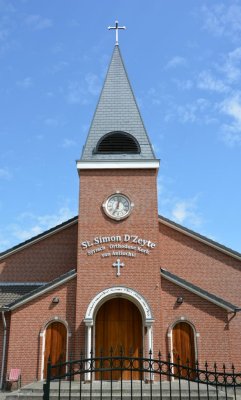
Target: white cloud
{"points": [[50, 94], [184, 84], [4, 243], [76, 94], [93, 84], [191, 112], [37, 22], [7, 7], [25, 83], [7, 25], [79, 93], [24, 234], [222, 20], [207, 82], [182, 211], [60, 66], [232, 108], [185, 211], [68, 143], [57, 48], [35, 224], [175, 62], [52, 122], [232, 65], [3, 34], [5, 174]]}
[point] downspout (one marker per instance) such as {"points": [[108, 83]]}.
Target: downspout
{"points": [[4, 348]]}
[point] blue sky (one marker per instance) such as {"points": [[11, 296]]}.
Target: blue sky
{"points": [[183, 59]]}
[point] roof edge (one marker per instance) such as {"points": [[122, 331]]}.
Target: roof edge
{"points": [[198, 291], [200, 238], [152, 150], [42, 290], [39, 237]]}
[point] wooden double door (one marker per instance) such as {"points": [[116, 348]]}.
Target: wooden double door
{"points": [[183, 346], [118, 327], [55, 347]]}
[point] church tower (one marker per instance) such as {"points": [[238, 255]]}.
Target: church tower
{"points": [[118, 271]]}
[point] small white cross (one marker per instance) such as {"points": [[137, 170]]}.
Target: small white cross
{"points": [[116, 27], [118, 264]]}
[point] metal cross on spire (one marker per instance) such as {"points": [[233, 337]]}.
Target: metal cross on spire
{"points": [[116, 27]]}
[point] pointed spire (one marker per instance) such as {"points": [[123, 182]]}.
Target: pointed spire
{"points": [[117, 111]]}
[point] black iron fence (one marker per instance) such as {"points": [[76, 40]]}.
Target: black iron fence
{"points": [[132, 377]]}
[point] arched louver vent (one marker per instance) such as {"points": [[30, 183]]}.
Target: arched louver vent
{"points": [[118, 142]]}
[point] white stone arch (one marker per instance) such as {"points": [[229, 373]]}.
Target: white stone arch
{"points": [[123, 292], [119, 291], [170, 334], [43, 336]]}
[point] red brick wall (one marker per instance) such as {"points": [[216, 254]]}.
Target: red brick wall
{"points": [[44, 260], [25, 343], [200, 264], [196, 262], [215, 272], [210, 321], [235, 348], [7, 317], [95, 273]]}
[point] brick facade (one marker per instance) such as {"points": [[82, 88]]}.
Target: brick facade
{"points": [[42, 261], [51, 258], [218, 331], [95, 273], [29, 321], [199, 263]]}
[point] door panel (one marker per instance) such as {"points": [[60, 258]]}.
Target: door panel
{"points": [[55, 346], [118, 326], [183, 345]]}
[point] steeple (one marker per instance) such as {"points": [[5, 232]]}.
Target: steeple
{"points": [[117, 131]]}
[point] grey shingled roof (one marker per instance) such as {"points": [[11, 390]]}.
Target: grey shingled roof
{"points": [[199, 291], [117, 110], [13, 292], [11, 301]]}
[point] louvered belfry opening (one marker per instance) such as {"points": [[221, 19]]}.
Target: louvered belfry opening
{"points": [[118, 142]]}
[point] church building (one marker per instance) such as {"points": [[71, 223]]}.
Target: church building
{"points": [[118, 275]]}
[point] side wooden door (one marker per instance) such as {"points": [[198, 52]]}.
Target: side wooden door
{"points": [[55, 347], [183, 343], [118, 327]]}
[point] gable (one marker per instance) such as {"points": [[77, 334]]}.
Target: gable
{"points": [[43, 257], [197, 261]]}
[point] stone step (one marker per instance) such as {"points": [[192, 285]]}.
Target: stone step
{"points": [[116, 396], [35, 391]]}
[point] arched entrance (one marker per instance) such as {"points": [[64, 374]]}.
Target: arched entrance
{"points": [[119, 327], [112, 293], [55, 345], [183, 344]]}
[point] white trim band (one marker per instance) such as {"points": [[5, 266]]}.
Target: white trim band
{"points": [[129, 164]]}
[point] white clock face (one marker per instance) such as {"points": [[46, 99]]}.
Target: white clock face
{"points": [[118, 206]]}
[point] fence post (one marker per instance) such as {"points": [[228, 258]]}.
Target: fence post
{"points": [[46, 386]]}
